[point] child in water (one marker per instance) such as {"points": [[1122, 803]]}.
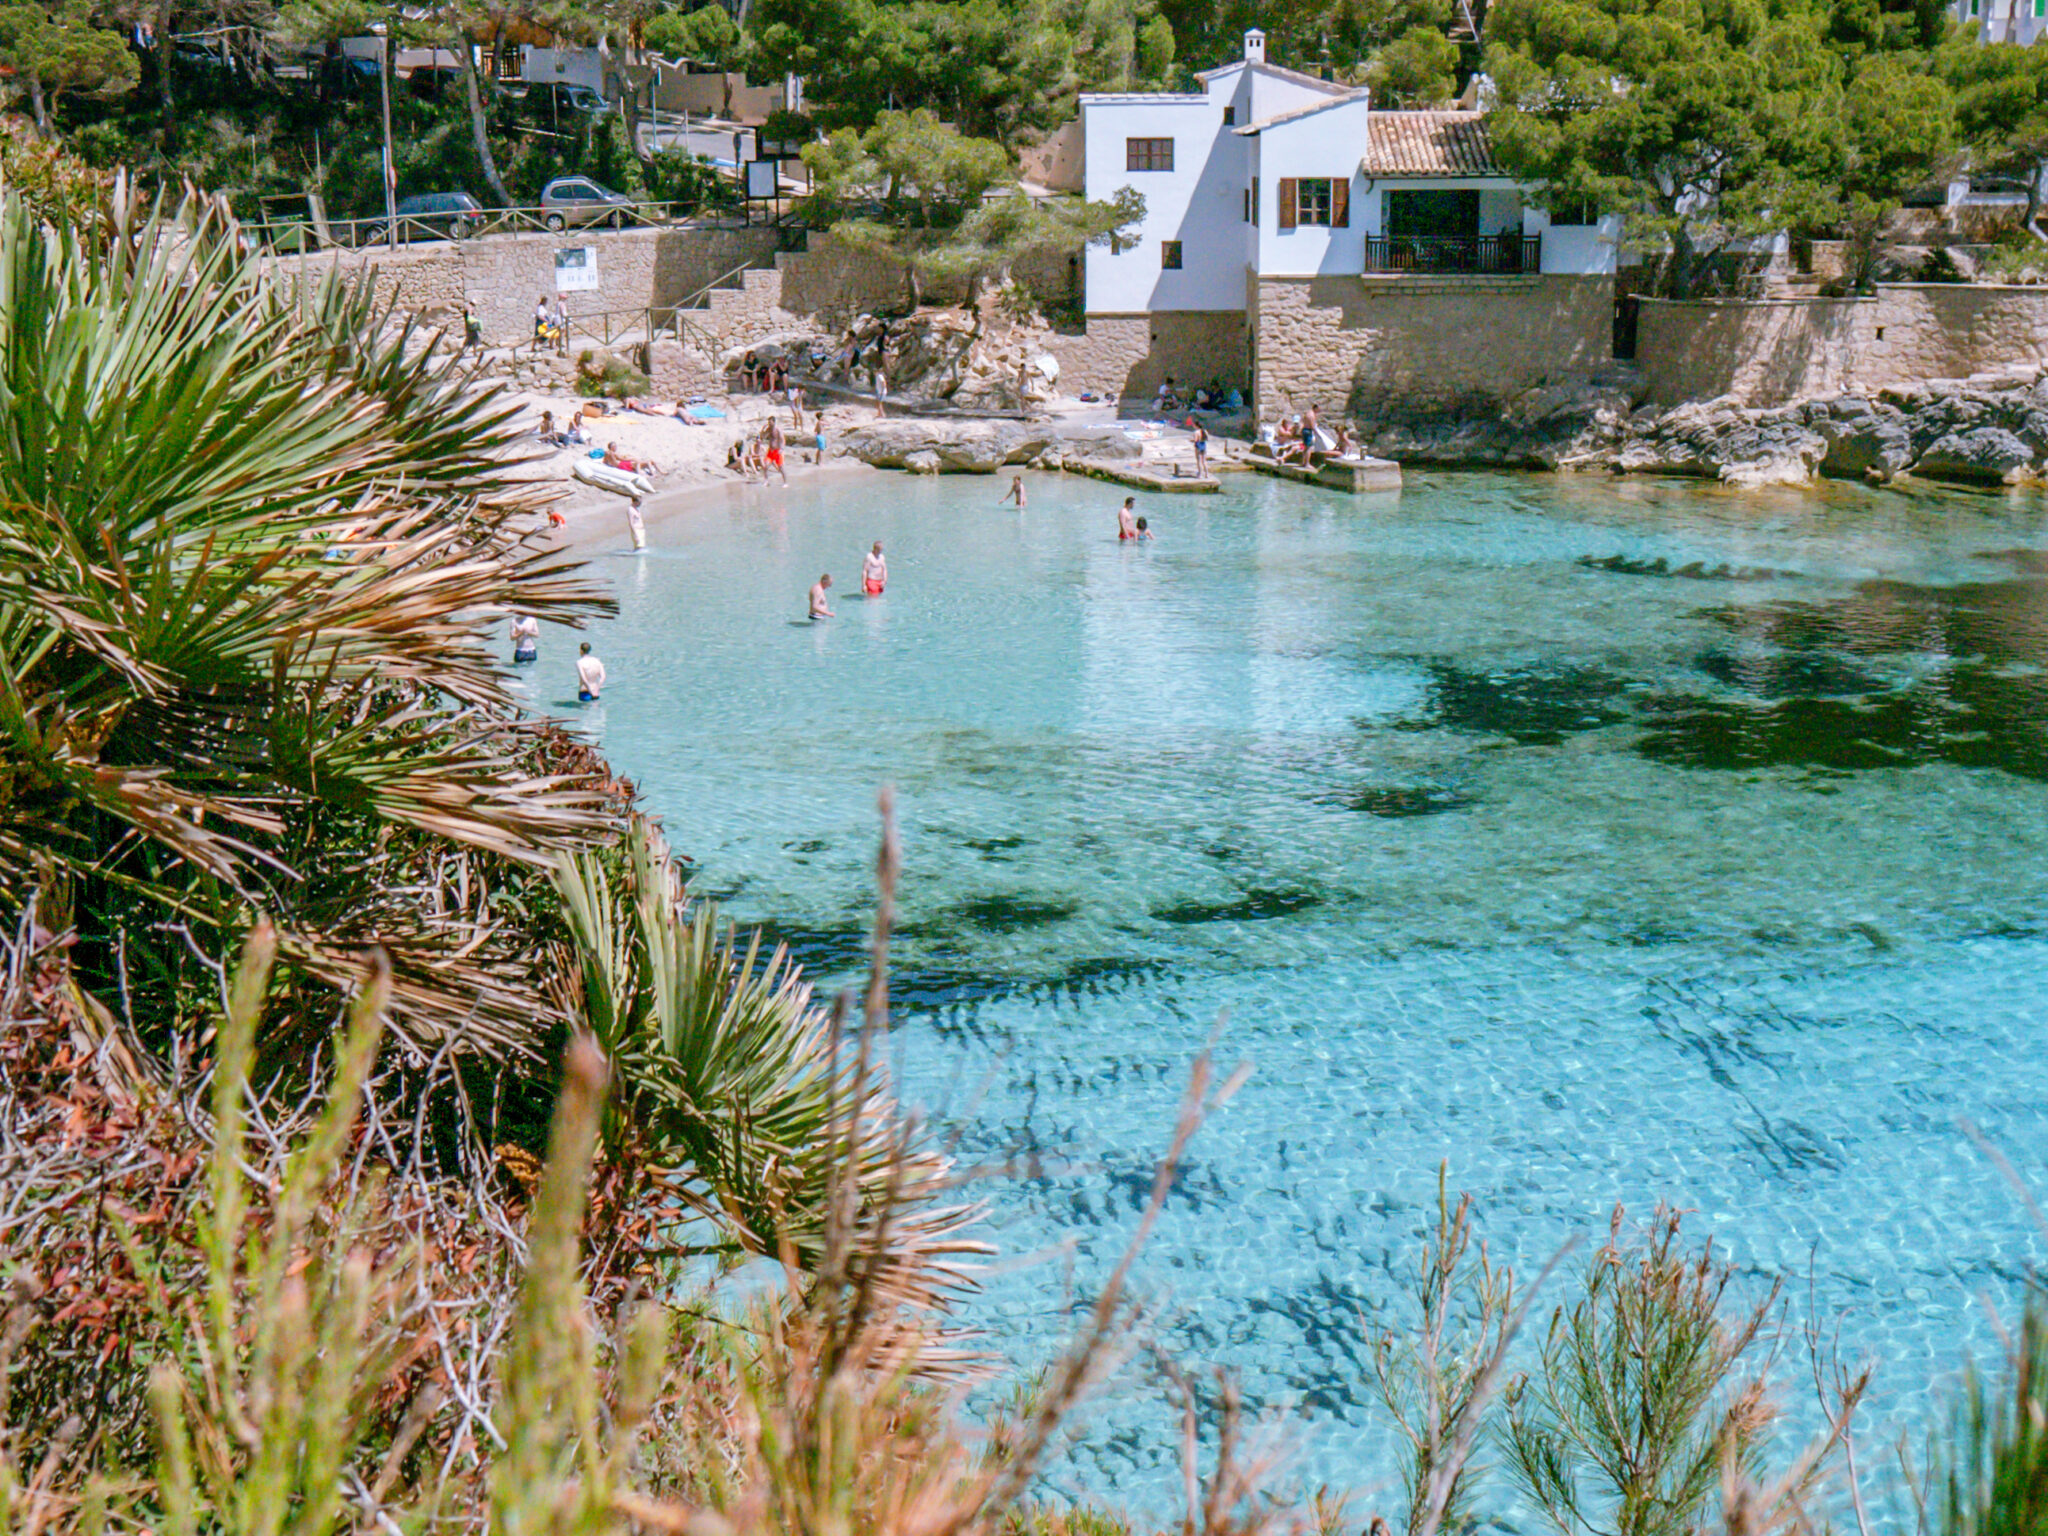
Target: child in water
{"points": [[1142, 531], [874, 572]]}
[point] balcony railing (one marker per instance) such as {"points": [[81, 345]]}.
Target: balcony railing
{"points": [[1453, 253]]}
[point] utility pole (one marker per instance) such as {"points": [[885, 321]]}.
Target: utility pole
{"points": [[390, 164]]}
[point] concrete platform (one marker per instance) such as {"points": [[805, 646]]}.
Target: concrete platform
{"points": [[1144, 479], [1352, 475]]}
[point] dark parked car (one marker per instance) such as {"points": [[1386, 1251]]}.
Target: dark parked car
{"points": [[550, 98], [432, 216], [578, 200]]}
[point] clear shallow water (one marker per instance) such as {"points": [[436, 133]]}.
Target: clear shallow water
{"points": [[1495, 840]]}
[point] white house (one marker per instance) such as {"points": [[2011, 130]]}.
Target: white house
{"points": [[1281, 208]]}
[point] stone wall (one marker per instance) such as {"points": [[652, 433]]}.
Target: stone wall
{"points": [[1128, 356], [836, 282], [1766, 352], [1363, 345], [502, 275]]}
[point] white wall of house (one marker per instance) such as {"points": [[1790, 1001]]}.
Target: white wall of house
{"points": [[1999, 21], [1589, 250], [1198, 203], [1324, 144]]}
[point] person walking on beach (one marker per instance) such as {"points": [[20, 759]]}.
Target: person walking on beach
{"points": [[1127, 520], [818, 442], [589, 676], [525, 639], [1016, 493], [874, 571], [820, 608], [775, 445], [1201, 452], [635, 525]]}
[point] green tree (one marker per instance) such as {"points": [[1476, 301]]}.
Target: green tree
{"points": [[2002, 114], [1418, 69], [59, 48], [1703, 124], [917, 191]]}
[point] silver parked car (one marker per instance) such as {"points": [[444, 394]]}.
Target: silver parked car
{"points": [[578, 200]]}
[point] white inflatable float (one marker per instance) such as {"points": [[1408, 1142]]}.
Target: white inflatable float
{"points": [[600, 474]]}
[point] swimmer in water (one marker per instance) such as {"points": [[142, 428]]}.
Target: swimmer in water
{"points": [[525, 639], [1016, 493], [1143, 532], [820, 609], [874, 571], [1126, 520]]}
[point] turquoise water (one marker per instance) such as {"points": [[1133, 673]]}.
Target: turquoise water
{"points": [[1612, 842]]}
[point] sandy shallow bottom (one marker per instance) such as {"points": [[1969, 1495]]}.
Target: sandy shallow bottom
{"points": [[1491, 841]]}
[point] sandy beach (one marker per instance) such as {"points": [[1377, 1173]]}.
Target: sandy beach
{"points": [[679, 458]]}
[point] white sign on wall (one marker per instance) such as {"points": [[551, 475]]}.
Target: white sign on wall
{"points": [[576, 269]]}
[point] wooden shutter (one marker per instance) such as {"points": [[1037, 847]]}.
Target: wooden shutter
{"points": [[1287, 185], [1340, 202]]}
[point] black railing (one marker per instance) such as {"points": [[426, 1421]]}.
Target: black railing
{"points": [[1454, 253]]}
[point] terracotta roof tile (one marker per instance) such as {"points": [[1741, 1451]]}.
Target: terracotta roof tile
{"points": [[1429, 144]]}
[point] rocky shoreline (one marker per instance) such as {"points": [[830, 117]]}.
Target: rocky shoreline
{"points": [[1987, 431], [1990, 430]]}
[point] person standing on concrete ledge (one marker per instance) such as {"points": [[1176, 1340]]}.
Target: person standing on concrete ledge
{"points": [[589, 676], [1201, 451]]}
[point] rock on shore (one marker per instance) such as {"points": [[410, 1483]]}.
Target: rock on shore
{"points": [[1986, 431], [940, 446]]}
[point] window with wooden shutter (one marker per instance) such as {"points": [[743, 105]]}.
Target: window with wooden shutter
{"points": [[1340, 204], [1287, 202]]}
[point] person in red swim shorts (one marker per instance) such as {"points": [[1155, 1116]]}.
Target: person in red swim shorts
{"points": [[874, 571], [1127, 520]]}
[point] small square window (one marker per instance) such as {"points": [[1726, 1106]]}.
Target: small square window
{"points": [[1313, 206], [1148, 154], [1169, 255], [1230, 113], [1571, 214]]}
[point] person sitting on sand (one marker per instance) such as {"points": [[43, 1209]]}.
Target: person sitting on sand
{"points": [[618, 460], [1016, 493], [820, 609], [573, 435], [1126, 520], [546, 430], [874, 571]]}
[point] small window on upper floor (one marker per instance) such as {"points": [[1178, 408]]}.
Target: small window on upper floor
{"points": [[1148, 154], [1229, 116], [1569, 214], [1169, 255]]}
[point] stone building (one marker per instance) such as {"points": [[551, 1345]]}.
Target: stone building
{"points": [[1301, 244]]}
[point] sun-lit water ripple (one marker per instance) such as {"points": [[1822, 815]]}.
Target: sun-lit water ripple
{"points": [[1611, 842]]}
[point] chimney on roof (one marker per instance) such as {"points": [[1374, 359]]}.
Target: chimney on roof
{"points": [[1255, 47]]}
